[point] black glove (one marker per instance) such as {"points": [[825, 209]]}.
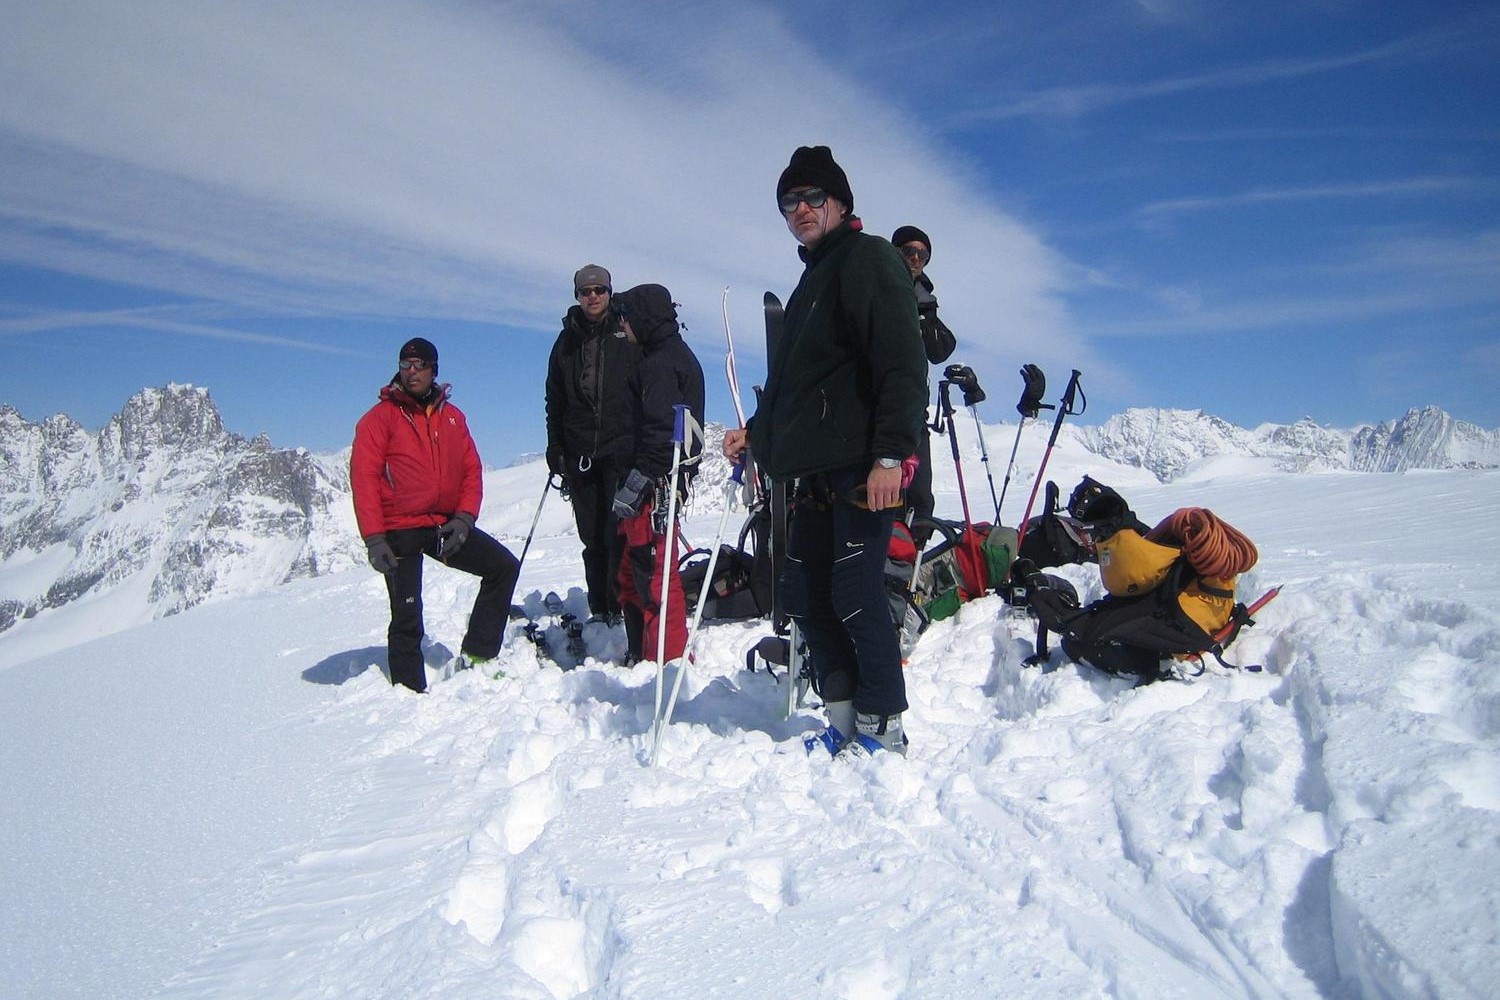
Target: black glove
{"points": [[1031, 396], [556, 460], [632, 495], [453, 533], [382, 558], [963, 376]]}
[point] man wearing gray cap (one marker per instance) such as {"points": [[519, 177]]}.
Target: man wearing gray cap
{"points": [[590, 416]]}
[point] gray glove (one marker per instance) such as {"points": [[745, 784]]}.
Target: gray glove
{"points": [[382, 558], [454, 532], [631, 496]]}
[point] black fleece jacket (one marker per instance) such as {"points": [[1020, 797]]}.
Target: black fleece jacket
{"points": [[590, 414], [849, 382]]}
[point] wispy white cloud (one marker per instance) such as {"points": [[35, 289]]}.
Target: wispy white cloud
{"points": [[460, 160], [1076, 100], [1266, 196], [158, 319]]}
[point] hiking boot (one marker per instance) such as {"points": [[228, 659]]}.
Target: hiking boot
{"points": [[467, 661], [833, 736], [828, 738], [876, 733]]}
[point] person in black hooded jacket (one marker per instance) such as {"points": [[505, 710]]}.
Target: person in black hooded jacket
{"points": [[668, 375], [590, 421]]}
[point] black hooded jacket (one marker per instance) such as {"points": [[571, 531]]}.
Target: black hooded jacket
{"points": [[668, 374], [937, 340], [590, 413]]}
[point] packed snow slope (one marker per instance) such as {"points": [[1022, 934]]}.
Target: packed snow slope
{"points": [[234, 802]]}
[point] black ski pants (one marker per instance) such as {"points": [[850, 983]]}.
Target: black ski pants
{"points": [[834, 582], [480, 555], [592, 494]]}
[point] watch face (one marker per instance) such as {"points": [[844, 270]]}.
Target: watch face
{"points": [[888, 463]]}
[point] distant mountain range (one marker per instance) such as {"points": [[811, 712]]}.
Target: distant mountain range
{"points": [[1168, 443], [166, 502]]}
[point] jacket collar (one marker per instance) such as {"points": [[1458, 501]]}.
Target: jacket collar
{"points": [[835, 237], [393, 393]]}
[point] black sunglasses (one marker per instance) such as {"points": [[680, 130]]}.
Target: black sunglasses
{"points": [[593, 290], [815, 198], [917, 253], [413, 364]]}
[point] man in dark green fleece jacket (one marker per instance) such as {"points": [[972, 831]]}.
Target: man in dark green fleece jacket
{"points": [[843, 406]]}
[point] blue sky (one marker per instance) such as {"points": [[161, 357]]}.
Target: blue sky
{"points": [[1266, 211]]}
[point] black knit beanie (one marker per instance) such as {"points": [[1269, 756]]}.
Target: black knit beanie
{"points": [[815, 166], [420, 348], [907, 234]]}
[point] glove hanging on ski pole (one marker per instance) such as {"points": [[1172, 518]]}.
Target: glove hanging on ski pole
{"points": [[1065, 408], [1035, 388], [1031, 405]]}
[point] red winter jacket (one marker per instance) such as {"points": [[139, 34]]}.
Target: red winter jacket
{"points": [[413, 466]]}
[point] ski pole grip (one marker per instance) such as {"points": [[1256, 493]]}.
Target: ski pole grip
{"points": [[679, 422]]}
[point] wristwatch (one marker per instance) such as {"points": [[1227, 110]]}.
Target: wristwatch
{"points": [[888, 463]]}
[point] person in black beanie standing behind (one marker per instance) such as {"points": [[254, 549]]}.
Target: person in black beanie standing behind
{"points": [[938, 343], [842, 409], [590, 417]]}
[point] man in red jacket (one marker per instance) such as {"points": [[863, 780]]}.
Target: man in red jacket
{"points": [[417, 489]]}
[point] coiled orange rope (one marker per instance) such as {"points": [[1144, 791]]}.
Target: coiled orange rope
{"points": [[1213, 547]]}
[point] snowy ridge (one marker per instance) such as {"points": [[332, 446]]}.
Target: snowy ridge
{"points": [[159, 511], [1328, 828], [1172, 443], [164, 508]]}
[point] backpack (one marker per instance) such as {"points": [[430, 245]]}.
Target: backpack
{"points": [[971, 561], [742, 573], [907, 615], [1170, 595], [1056, 539]]}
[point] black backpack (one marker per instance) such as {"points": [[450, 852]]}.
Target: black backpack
{"points": [[742, 573]]}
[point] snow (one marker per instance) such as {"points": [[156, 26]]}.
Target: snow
{"points": [[234, 802]]}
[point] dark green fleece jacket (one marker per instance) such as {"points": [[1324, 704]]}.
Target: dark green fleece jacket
{"points": [[849, 381]]}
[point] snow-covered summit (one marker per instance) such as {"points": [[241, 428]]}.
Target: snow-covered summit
{"points": [[1171, 443], [161, 510]]}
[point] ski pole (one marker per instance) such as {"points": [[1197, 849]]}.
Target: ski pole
{"points": [[668, 555], [527, 547], [963, 376], [946, 407], [735, 482], [1065, 407], [1030, 406]]}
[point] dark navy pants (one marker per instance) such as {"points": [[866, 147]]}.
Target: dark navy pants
{"points": [[834, 584], [480, 555]]}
